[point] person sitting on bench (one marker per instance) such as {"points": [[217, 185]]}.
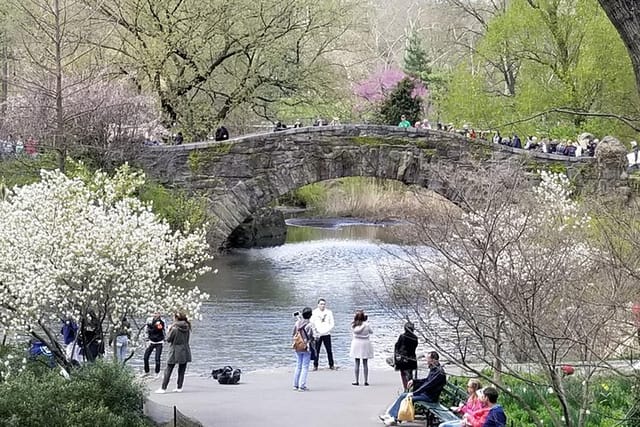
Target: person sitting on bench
{"points": [[428, 391], [491, 415]]}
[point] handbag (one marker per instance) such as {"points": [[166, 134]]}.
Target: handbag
{"points": [[406, 411]]}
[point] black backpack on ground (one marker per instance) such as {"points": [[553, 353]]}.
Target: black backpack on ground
{"points": [[226, 375]]}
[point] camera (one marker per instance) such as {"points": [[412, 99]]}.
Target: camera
{"points": [[296, 314]]}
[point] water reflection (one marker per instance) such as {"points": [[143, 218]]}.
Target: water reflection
{"points": [[248, 321]]}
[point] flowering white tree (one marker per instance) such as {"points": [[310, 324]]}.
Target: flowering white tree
{"points": [[515, 277], [88, 248]]}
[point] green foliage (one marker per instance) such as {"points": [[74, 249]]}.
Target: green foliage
{"points": [[25, 170], [98, 394], [562, 55], [175, 206], [416, 59], [400, 102], [310, 196], [612, 399]]}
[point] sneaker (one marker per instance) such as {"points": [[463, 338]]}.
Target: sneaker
{"points": [[177, 390], [303, 389], [390, 421], [161, 391], [295, 388], [333, 368], [315, 368]]}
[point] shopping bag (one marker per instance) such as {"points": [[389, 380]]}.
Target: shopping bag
{"points": [[406, 411]]}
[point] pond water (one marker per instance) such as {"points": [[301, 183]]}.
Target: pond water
{"points": [[248, 320]]}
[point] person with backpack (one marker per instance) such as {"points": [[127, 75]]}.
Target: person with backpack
{"points": [[303, 342], [179, 351]]}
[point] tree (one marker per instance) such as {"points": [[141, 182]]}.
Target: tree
{"points": [[56, 60], [568, 58], [513, 277], [204, 59], [624, 16], [416, 60], [90, 250], [402, 101]]}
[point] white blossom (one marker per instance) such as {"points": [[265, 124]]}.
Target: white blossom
{"points": [[70, 245]]}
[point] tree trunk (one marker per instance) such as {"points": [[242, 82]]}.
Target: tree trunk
{"points": [[5, 74], [625, 16]]}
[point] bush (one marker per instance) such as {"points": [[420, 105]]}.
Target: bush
{"points": [[98, 394], [611, 400], [174, 206]]}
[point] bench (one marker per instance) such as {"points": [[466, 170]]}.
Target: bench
{"points": [[436, 413]]}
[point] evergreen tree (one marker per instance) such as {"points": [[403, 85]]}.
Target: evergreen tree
{"points": [[416, 60], [401, 102]]}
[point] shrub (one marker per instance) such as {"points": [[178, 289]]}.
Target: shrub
{"points": [[174, 206], [102, 393]]}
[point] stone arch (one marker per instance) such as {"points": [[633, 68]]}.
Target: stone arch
{"points": [[244, 174]]}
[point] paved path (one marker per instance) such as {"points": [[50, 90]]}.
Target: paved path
{"points": [[266, 398]]}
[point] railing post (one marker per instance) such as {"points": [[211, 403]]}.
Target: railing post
{"points": [[175, 416]]}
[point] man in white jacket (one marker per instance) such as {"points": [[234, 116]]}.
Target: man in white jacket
{"points": [[322, 321]]}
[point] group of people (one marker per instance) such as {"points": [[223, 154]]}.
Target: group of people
{"points": [[177, 336], [420, 124], [315, 327], [480, 410], [584, 146], [12, 147], [86, 343]]}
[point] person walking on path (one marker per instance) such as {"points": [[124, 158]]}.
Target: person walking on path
{"points": [[303, 356], [361, 347], [322, 322], [156, 335], [179, 351], [404, 354]]}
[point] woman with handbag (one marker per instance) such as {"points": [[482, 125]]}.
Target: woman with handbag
{"points": [[404, 354]]}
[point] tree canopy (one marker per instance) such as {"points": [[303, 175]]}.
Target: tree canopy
{"points": [[74, 248]]}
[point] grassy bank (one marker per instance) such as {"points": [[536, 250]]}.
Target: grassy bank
{"points": [[361, 197]]}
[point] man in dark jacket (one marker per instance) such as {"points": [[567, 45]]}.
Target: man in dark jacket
{"points": [[428, 389], [156, 334]]}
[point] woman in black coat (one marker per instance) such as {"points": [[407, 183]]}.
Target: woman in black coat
{"points": [[404, 354]]}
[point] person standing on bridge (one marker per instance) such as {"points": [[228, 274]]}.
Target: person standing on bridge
{"points": [[404, 123]]}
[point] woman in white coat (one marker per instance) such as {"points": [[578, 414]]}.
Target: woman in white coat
{"points": [[361, 347]]}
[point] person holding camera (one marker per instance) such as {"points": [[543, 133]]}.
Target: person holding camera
{"points": [[302, 333], [323, 323], [361, 347]]}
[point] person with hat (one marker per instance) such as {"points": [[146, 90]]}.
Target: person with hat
{"points": [[404, 354]]}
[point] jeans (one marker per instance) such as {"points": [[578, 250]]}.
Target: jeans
{"points": [[147, 354], [326, 339], [182, 368], [302, 369], [122, 347], [393, 409]]}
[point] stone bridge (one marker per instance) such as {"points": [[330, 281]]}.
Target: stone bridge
{"points": [[241, 175]]}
